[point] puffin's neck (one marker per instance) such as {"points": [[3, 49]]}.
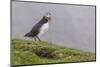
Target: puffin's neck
{"points": [[44, 20]]}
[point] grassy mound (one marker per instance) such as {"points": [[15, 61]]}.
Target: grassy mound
{"points": [[26, 52]]}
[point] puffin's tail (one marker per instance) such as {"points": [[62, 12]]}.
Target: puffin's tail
{"points": [[28, 34]]}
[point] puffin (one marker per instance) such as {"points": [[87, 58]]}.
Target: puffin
{"points": [[40, 28]]}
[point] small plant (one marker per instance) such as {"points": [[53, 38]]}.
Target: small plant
{"points": [[44, 52]]}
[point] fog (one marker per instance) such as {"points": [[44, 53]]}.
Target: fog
{"points": [[71, 26]]}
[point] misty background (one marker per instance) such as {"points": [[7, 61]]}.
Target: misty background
{"points": [[71, 26]]}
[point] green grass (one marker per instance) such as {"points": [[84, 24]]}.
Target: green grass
{"points": [[26, 52]]}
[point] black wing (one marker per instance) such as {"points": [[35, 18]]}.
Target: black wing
{"points": [[36, 28]]}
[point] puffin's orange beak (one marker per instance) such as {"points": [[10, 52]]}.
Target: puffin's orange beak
{"points": [[49, 18]]}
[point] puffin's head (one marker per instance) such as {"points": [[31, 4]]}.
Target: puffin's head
{"points": [[48, 16]]}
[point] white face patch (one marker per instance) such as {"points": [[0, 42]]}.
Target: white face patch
{"points": [[48, 14], [43, 29]]}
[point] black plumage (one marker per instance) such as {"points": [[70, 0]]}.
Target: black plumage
{"points": [[36, 28]]}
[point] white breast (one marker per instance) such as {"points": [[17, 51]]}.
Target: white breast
{"points": [[43, 29]]}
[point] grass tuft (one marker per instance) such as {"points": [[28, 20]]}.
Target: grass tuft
{"points": [[26, 52]]}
